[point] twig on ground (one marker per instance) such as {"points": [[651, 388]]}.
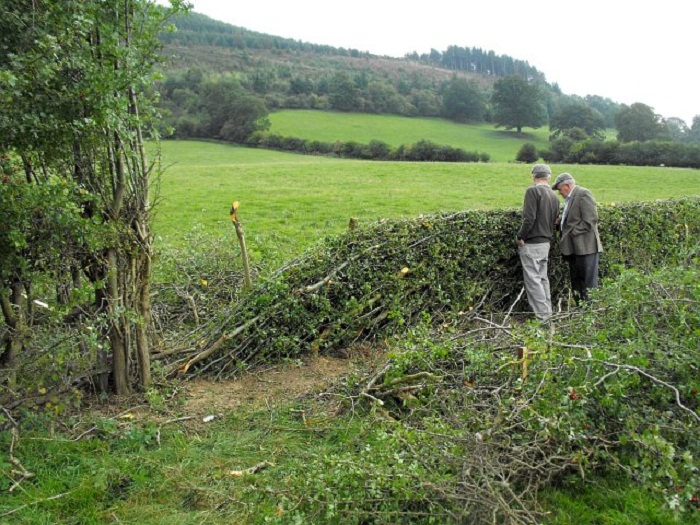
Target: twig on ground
{"points": [[252, 470]]}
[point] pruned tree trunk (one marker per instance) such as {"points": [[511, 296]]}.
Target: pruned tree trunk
{"points": [[13, 311], [117, 329]]}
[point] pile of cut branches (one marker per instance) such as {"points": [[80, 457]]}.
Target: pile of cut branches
{"points": [[483, 416]]}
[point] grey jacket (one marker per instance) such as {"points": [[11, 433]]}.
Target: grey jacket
{"points": [[579, 233], [540, 211]]}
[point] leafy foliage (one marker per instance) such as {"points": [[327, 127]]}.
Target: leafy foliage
{"points": [[380, 280], [463, 101], [517, 104], [579, 116], [75, 106], [580, 150], [421, 151], [527, 153], [473, 419], [638, 122]]}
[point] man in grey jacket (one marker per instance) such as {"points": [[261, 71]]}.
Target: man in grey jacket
{"points": [[580, 241], [540, 211]]}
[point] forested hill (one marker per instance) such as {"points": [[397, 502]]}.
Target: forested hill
{"points": [[222, 80], [200, 30]]}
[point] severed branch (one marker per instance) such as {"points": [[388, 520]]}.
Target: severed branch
{"points": [[252, 470], [216, 345], [641, 372], [510, 310], [57, 496], [21, 472], [409, 379], [320, 284]]}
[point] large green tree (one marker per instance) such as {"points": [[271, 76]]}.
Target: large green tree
{"points": [[517, 103], [463, 101], [676, 129], [577, 116], [233, 114], [74, 83], [638, 122], [605, 107], [694, 131], [343, 93]]}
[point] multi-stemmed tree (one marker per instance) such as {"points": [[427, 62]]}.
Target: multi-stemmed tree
{"points": [[75, 102]]}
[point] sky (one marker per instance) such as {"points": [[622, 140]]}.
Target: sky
{"points": [[623, 50]]}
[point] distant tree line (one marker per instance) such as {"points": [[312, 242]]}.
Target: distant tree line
{"points": [[636, 153], [644, 138], [199, 30], [477, 60]]}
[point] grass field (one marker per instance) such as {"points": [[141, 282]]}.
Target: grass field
{"points": [[149, 465], [296, 199], [501, 145]]}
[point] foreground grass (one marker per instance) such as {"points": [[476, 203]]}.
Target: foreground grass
{"points": [[608, 502], [162, 473], [294, 200]]}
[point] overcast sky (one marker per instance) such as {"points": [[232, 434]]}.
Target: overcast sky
{"points": [[623, 50]]}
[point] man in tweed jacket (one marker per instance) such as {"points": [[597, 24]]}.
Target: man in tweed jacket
{"points": [[580, 241]]}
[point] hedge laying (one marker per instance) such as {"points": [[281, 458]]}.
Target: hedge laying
{"points": [[374, 281]]}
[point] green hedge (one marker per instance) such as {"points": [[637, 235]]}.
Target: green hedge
{"points": [[647, 153], [421, 151], [379, 279]]}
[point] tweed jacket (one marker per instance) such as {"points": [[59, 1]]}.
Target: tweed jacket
{"points": [[579, 232]]}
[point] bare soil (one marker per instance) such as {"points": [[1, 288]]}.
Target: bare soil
{"points": [[266, 387], [193, 403]]}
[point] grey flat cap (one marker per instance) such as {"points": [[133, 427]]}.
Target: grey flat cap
{"points": [[540, 171], [561, 179]]}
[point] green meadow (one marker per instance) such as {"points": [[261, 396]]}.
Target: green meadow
{"points": [[295, 200], [327, 126]]}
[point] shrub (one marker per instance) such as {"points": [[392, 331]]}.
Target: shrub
{"points": [[471, 433], [527, 153], [421, 151]]}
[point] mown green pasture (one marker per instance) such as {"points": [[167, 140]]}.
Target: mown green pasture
{"points": [[295, 200], [327, 126]]}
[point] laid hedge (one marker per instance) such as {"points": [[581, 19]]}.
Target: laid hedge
{"points": [[376, 280]]}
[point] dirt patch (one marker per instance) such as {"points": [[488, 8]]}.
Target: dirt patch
{"points": [[266, 387], [193, 403]]}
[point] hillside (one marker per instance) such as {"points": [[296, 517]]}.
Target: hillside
{"points": [[221, 59], [197, 32], [212, 67]]}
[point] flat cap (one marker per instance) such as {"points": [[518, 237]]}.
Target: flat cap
{"points": [[561, 179], [540, 171]]}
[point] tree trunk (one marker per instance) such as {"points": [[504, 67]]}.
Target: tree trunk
{"points": [[142, 275], [13, 312], [117, 326], [143, 352]]}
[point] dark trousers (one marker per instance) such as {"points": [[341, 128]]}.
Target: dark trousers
{"points": [[584, 274]]}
